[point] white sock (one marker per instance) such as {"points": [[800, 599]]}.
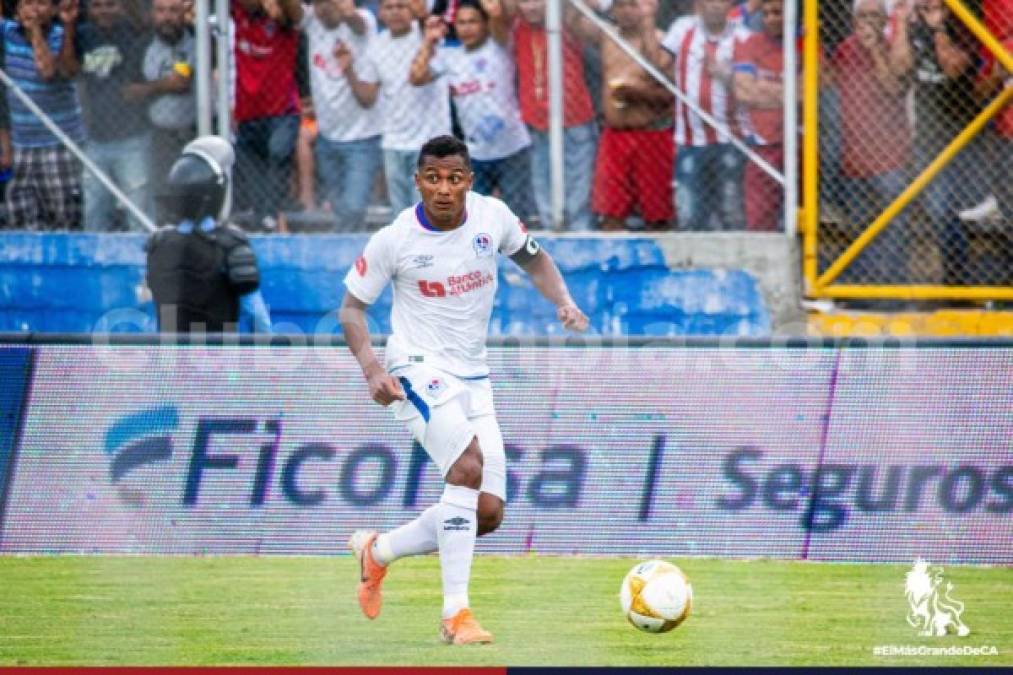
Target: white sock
{"points": [[416, 537], [457, 525]]}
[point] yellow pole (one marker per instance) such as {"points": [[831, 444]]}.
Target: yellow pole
{"points": [[916, 186], [810, 140], [980, 32], [918, 292]]}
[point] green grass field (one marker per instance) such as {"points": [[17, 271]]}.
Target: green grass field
{"points": [[542, 610]]}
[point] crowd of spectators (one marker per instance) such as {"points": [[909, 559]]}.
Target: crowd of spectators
{"points": [[331, 101]]}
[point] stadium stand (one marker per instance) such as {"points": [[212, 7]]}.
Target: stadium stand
{"points": [[85, 282]]}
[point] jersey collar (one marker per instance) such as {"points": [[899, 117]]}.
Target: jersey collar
{"points": [[420, 216]]}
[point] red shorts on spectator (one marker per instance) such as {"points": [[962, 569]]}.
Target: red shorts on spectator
{"points": [[635, 168]]}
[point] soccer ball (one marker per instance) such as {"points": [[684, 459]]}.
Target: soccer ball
{"points": [[656, 596]]}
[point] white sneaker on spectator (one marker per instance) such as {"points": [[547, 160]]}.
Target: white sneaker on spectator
{"points": [[986, 210]]}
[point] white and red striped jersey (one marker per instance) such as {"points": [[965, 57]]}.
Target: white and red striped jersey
{"points": [[692, 46]]}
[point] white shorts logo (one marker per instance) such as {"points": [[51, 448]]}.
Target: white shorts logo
{"points": [[435, 387], [933, 612]]}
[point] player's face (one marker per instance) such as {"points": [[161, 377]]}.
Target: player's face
{"points": [[443, 183], [470, 27]]}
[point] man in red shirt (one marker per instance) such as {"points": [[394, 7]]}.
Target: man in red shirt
{"points": [[759, 92], [875, 141], [266, 103], [580, 135]]}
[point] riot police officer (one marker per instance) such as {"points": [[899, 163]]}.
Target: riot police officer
{"points": [[202, 272]]}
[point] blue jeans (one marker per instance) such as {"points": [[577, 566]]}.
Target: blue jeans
{"points": [[399, 168], [347, 170], [264, 151], [884, 260], [708, 192], [580, 145], [125, 161], [512, 175], [831, 140], [959, 185], [1003, 186]]}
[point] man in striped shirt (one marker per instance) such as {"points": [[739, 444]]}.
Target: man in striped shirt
{"points": [[708, 169], [45, 190]]}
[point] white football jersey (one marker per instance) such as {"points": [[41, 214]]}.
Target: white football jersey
{"points": [[444, 283]]}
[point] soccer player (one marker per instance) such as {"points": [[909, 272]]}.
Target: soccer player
{"points": [[440, 255]]}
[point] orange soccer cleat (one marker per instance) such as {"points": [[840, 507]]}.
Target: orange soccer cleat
{"points": [[371, 573], [463, 629]]}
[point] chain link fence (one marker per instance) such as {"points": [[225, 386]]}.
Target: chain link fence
{"points": [[670, 111], [902, 81]]}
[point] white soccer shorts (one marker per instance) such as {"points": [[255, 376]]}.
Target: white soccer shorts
{"points": [[444, 412]]}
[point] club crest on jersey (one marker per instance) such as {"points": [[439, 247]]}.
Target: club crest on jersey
{"points": [[482, 244], [435, 387], [360, 265]]}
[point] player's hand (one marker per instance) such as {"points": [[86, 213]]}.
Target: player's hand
{"points": [[572, 318], [384, 388]]}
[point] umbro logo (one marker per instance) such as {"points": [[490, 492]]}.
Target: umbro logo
{"points": [[456, 523], [421, 261]]}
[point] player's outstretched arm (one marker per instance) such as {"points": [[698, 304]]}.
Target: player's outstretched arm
{"points": [[383, 387], [549, 282]]}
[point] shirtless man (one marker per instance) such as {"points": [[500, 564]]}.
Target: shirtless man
{"points": [[637, 149]]}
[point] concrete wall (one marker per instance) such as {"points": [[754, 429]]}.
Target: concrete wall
{"points": [[773, 259]]}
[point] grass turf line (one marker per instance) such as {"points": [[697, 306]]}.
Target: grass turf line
{"points": [[542, 610]]}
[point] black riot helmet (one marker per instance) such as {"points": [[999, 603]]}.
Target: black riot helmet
{"points": [[198, 185]]}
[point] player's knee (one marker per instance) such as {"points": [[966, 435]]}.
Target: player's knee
{"points": [[467, 470], [490, 513]]}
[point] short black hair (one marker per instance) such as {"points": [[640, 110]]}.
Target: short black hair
{"points": [[444, 146]]}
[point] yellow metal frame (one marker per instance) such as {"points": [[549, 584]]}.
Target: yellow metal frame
{"points": [[820, 285]]}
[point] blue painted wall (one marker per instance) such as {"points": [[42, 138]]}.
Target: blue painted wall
{"points": [[86, 282]]}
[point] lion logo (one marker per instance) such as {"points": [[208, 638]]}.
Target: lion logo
{"points": [[933, 612]]}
